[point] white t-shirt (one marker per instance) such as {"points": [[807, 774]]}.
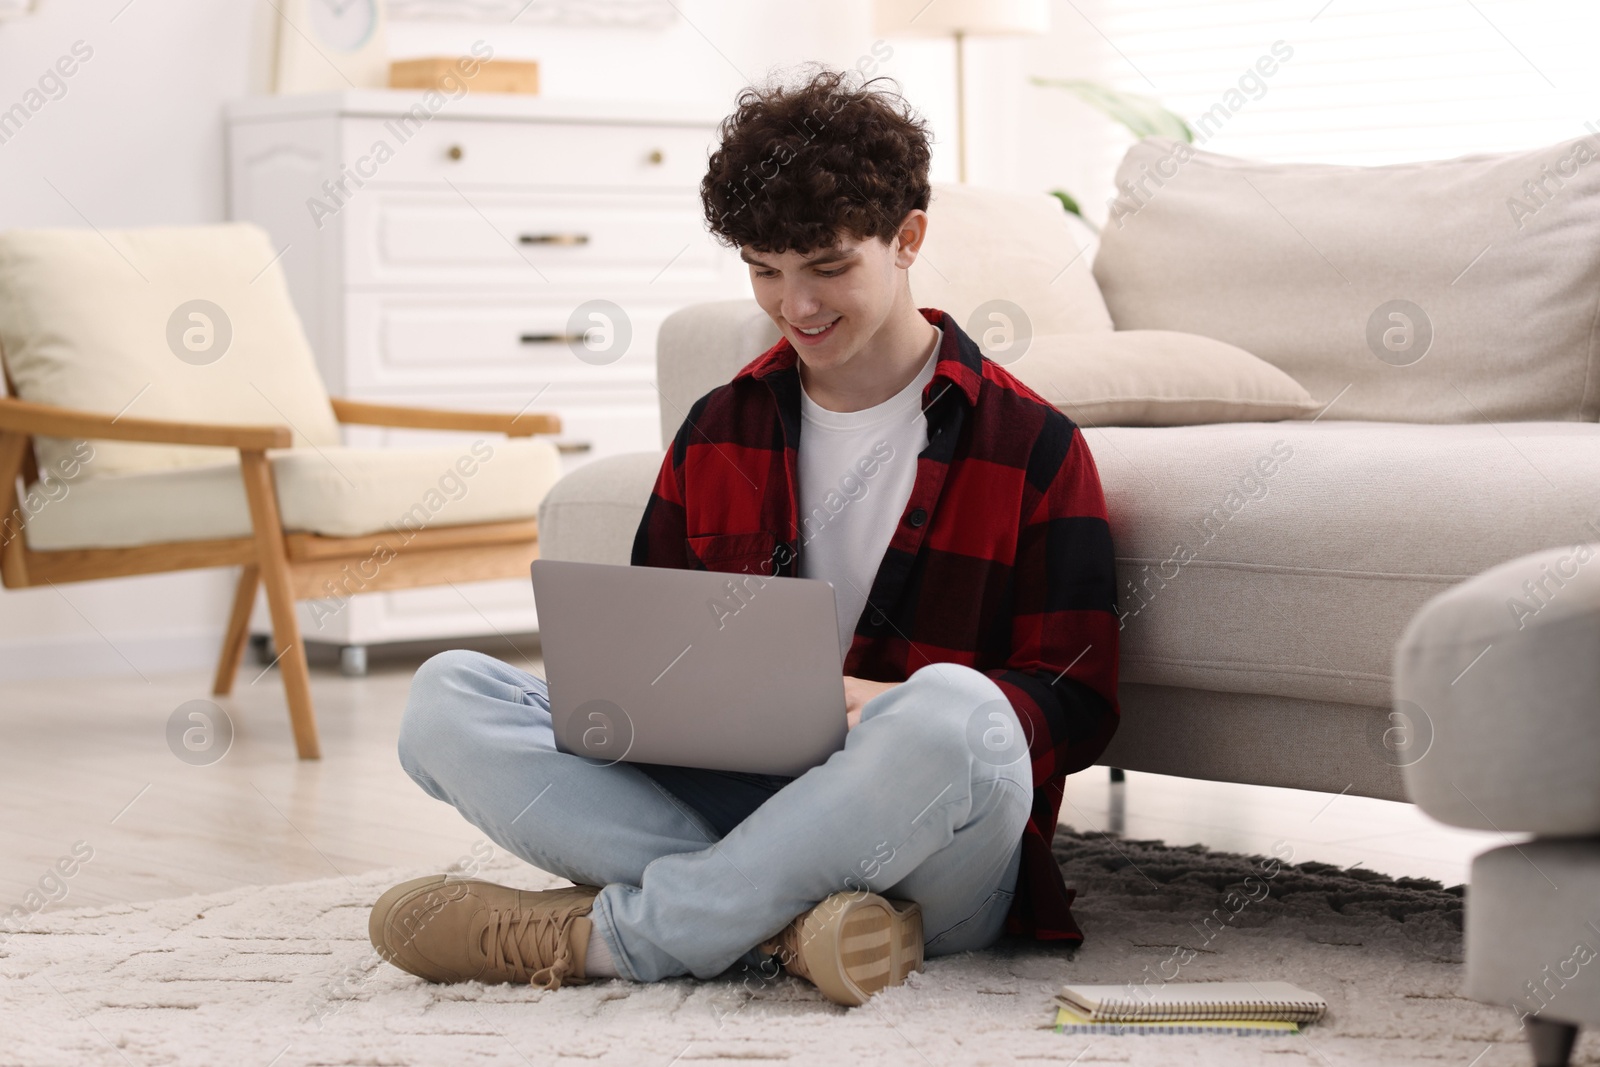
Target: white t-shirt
{"points": [[856, 473]]}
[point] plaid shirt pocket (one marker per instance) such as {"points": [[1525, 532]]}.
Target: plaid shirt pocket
{"points": [[742, 553]]}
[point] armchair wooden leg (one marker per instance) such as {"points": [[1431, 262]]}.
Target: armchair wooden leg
{"points": [[244, 599], [292, 662], [274, 563]]}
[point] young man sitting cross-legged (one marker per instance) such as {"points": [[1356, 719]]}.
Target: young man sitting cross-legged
{"points": [[960, 520]]}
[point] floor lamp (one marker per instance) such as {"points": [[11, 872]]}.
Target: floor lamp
{"points": [[961, 19]]}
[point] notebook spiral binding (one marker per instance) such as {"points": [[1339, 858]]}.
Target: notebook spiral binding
{"points": [[1264, 1010]]}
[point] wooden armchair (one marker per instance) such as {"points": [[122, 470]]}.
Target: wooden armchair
{"points": [[88, 530]]}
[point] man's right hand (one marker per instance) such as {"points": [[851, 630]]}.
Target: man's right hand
{"points": [[857, 691]]}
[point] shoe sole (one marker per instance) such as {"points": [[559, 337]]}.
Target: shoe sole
{"points": [[866, 945]]}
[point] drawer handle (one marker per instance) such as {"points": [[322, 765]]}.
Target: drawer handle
{"points": [[657, 156], [554, 338], [567, 448], [565, 239], [455, 152]]}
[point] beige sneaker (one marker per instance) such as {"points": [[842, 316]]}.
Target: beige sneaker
{"points": [[463, 930], [852, 945]]}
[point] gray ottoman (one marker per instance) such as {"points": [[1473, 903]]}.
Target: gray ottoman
{"points": [[1497, 708]]}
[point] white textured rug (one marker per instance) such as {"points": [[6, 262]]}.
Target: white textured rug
{"points": [[284, 976]]}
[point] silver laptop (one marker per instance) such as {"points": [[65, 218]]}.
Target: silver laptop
{"points": [[732, 672]]}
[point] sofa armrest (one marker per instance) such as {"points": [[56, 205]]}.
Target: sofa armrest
{"points": [[702, 346], [591, 515], [1512, 749]]}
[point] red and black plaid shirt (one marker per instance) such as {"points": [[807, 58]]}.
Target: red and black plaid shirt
{"points": [[1001, 561]]}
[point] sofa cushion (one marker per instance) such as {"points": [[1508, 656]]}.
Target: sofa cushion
{"points": [[1280, 559], [592, 514], [1456, 291], [1499, 675], [338, 492], [1006, 259], [111, 321], [700, 347], [993, 259], [1286, 558], [1157, 378]]}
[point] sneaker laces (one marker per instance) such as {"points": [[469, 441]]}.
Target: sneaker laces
{"points": [[519, 940]]}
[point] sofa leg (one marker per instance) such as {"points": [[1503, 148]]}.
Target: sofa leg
{"points": [[1551, 1041]]}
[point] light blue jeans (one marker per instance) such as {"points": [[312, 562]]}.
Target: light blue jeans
{"points": [[697, 867]]}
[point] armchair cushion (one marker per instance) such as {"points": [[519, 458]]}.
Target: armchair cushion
{"points": [[337, 492], [103, 322]]}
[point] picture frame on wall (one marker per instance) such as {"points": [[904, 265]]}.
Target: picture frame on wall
{"points": [[330, 44]]}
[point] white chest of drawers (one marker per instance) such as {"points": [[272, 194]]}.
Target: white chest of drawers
{"points": [[442, 252]]}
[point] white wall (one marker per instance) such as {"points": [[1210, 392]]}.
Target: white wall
{"points": [[137, 139]]}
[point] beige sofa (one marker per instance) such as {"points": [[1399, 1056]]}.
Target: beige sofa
{"points": [[1448, 440]]}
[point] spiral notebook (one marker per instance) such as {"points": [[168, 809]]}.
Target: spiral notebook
{"points": [[1194, 1001]]}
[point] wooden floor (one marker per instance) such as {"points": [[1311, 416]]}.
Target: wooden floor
{"points": [[87, 760]]}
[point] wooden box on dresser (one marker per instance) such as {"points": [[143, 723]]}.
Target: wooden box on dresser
{"points": [[449, 252]]}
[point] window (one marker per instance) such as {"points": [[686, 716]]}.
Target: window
{"points": [[1354, 81]]}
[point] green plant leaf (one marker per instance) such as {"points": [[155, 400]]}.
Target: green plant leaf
{"points": [[1070, 204], [1142, 115]]}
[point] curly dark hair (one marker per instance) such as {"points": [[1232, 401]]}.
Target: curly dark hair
{"points": [[800, 165]]}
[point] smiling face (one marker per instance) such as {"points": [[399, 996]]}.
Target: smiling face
{"points": [[835, 303]]}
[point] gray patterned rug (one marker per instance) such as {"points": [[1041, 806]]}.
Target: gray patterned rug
{"points": [[283, 975]]}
